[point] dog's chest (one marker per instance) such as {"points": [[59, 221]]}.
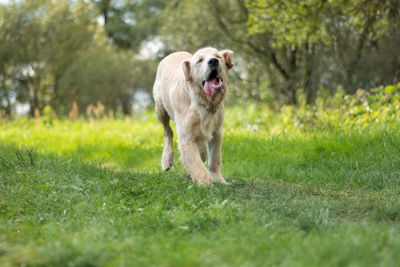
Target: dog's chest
{"points": [[208, 124]]}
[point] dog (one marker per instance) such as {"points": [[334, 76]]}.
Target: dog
{"points": [[190, 89]]}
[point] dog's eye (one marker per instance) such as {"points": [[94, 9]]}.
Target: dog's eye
{"points": [[200, 60]]}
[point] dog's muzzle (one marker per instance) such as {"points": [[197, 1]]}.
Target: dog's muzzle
{"points": [[213, 84]]}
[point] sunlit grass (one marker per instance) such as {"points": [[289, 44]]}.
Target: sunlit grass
{"points": [[306, 190]]}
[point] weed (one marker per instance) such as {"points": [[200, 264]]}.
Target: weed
{"points": [[29, 159]]}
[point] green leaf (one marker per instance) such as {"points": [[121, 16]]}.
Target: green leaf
{"points": [[389, 89]]}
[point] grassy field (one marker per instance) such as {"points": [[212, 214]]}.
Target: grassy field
{"points": [[303, 192]]}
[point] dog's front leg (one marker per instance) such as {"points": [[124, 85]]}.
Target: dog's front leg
{"points": [[214, 160], [190, 157], [188, 132]]}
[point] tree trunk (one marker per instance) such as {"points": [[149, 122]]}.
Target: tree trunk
{"points": [[8, 101], [292, 95], [105, 9], [291, 89], [309, 59], [126, 104], [34, 103]]}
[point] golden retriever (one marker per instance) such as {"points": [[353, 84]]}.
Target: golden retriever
{"points": [[190, 89]]}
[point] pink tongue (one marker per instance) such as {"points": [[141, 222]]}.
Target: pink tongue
{"points": [[211, 85]]}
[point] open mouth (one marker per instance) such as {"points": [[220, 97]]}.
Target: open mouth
{"points": [[213, 84]]}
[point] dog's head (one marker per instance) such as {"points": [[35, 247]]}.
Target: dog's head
{"points": [[207, 71]]}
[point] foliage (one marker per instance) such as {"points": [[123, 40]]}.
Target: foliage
{"points": [[43, 39], [100, 75], [93, 193], [294, 45], [47, 42], [341, 111], [282, 48], [301, 23], [130, 23]]}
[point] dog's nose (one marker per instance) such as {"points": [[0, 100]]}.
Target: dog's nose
{"points": [[213, 62]]}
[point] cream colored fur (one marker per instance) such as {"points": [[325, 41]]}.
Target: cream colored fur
{"points": [[179, 95]]}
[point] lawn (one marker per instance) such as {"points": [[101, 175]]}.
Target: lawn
{"points": [[303, 192]]}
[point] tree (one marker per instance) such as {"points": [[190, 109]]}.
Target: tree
{"points": [[295, 45], [364, 41], [7, 26], [129, 23], [42, 39], [103, 75], [226, 24]]}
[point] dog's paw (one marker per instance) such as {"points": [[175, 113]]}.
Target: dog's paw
{"points": [[167, 160], [166, 165], [217, 177], [202, 179]]}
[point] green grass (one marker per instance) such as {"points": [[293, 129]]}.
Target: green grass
{"points": [[301, 194]]}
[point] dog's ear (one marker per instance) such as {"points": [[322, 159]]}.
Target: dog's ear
{"points": [[186, 69], [227, 55]]}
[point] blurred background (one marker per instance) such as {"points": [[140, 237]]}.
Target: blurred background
{"points": [[72, 57]]}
